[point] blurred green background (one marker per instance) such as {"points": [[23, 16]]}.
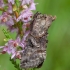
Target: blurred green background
{"points": [[58, 51]]}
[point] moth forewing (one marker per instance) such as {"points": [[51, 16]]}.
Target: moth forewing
{"points": [[35, 50]]}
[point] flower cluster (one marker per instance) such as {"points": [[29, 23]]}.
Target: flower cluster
{"points": [[17, 17]]}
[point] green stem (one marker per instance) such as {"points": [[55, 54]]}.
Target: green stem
{"points": [[15, 64]]}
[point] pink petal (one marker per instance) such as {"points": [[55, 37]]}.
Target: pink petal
{"points": [[13, 55], [32, 6]]}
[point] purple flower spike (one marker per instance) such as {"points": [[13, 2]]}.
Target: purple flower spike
{"points": [[16, 18]]}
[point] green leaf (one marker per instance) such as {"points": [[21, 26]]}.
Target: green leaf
{"points": [[7, 35]]}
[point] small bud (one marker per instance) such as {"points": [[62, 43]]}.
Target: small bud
{"points": [[3, 52], [14, 8], [15, 44]]}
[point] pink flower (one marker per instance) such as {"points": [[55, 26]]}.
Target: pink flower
{"points": [[11, 1], [10, 10], [30, 3], [1, 3], [7, 49], [26, 13], [23, 2], [25, 16], [11, 47], [32, 6], [6, 19]]}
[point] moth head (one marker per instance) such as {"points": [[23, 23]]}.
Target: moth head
{"points": [[41, 23]]}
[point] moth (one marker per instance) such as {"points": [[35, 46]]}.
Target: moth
{"points": [[36, 42]]}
